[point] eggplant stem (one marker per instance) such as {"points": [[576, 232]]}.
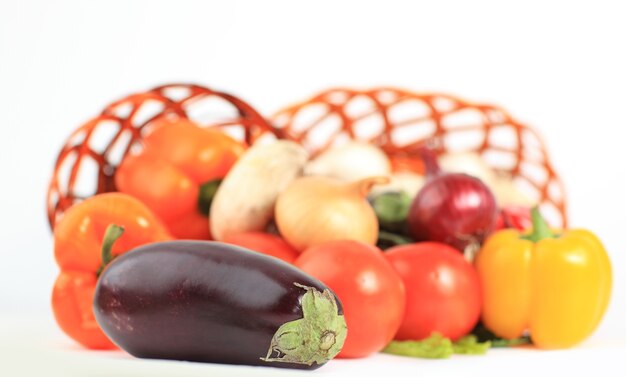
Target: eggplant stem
{"points": [[316, 337]]}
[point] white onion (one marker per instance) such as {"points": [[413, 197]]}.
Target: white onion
{"points": [[350, 162], [468, 163]]}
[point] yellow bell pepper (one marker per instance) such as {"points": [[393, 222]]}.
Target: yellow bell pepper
{"points": [[556, 287]]}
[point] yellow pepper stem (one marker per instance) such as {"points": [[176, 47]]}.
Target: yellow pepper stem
{"points": [[540, 229]]}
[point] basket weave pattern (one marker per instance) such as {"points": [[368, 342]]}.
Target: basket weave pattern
{"points": [[401, 122], [398, 121], [87, 162]]}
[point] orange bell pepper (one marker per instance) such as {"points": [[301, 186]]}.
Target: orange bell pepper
{"points": [[177, 174], [557, 287], [78, 239]]}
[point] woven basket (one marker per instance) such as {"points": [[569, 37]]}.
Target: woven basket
{"points": [[398, 121]]}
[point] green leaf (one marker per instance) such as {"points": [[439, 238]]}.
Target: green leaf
{"points": [[433, 347], [437, 347], [500, 343], [469, 345]]}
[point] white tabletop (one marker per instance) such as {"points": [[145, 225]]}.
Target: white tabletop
{"points": [[33, 346]]}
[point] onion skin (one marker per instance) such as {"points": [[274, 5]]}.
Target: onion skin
{"points": [[456, 209], [350, 162], [315, 210]]}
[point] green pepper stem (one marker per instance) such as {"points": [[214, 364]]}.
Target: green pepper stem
{"points": [[392, 209], [112, 233], [206, 194], [541, 230]]}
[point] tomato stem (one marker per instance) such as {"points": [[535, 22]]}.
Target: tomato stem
{"points": [[112, 233], [391, 239]]}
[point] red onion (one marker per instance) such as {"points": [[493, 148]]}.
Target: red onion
{"points": [[453, 208]]}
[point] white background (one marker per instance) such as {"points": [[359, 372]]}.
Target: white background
{"points": [[558, 66]]}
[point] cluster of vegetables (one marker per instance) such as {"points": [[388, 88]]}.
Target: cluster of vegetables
{"points": [[346, 254]]}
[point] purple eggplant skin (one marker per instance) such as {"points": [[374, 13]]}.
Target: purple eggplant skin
{"points": [[212, 302]]}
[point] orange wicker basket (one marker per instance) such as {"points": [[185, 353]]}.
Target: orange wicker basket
{"points": [[397, 120]]}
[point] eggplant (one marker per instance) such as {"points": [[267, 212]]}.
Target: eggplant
{"points": [[212, 302]]}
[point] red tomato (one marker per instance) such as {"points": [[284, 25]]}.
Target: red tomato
{"points": [[370, 291], [515, 217], [442, 290], [264, 243]]}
